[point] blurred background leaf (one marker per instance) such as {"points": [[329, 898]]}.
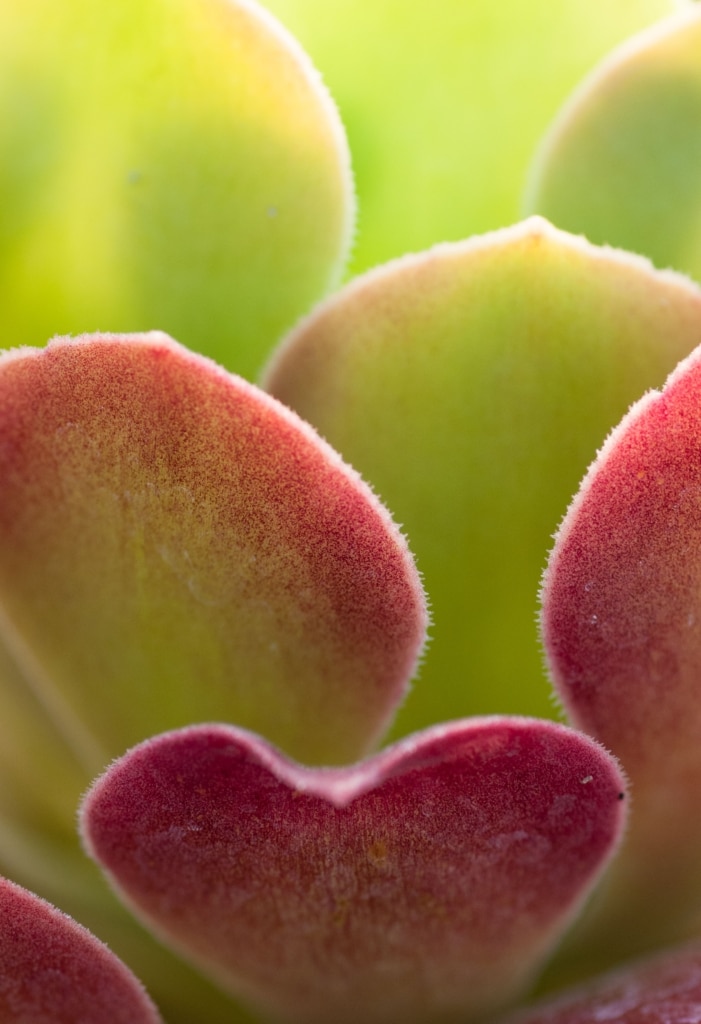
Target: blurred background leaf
{"points": [[170, 164], [622, 162], [445, 102]]}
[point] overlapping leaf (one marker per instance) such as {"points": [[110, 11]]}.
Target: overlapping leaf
{"points": [[175, 546], [423, 885], [52, 971], [663, 990], [621, 162], [621, 618], [471, 385]]}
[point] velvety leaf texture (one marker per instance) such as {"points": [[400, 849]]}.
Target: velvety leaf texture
{"points": [[53, 971], [621, 623], [620, 163], [176, 546], [423, 885], [471, 385], [663, 990]]}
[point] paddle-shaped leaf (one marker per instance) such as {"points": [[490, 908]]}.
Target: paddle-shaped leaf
{"points": [[445, 102], [620, 163], [53, 971], [171, 164], [423, 885], [176, 546], [622, 630], [470, 385]]}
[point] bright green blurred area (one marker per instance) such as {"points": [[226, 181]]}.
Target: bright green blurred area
{"points": [[622, 163], [167, 164], [445, 102]]}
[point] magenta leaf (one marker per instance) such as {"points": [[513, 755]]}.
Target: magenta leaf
{"points": [[622, 627], [422, 885], [53, 971], [662, 990]]}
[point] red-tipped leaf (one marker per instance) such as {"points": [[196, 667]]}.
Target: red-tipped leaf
{"points": [[53, 971], [622, 629], [176, 546]]}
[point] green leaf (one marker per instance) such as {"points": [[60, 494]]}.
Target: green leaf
{"points": [[444, 102], [471, 386], [621, 162], [171, 164]]}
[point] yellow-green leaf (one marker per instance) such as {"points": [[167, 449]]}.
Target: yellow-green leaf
{"points": [[170, 164], [445, 102], [471, 385], [621, 163]]}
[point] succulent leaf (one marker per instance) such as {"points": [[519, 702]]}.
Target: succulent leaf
{"points": [[176, 546], [620, 163], [621, 625], [470, 385], [423, 885], [171, 164], [53, 971], [662, 990]]}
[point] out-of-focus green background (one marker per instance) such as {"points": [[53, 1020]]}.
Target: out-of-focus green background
{"points": [[445, 102]]}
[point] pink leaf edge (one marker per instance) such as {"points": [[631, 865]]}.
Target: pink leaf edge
{"points": [[621, 605], [665, 989], [211, 548], [53, 971], [622, 630], [423, 884]]}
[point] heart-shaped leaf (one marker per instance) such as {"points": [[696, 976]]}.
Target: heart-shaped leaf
{"points": [[622, 630], [53, 971], [424, 885]]}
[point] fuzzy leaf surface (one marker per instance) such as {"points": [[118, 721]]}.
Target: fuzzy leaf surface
{"points": [[423, 885], [620, 163], [622, 632], [470, 385], [663, 990], [176, 546], [53, 971]]}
